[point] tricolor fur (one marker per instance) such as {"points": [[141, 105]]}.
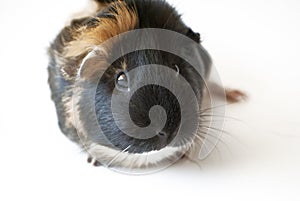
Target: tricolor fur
{"points": [[77, 40]]}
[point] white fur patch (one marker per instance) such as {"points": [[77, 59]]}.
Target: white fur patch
{"points": [[113, 158]]}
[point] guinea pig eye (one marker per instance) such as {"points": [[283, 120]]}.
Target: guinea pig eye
{"points": [[122, 82]]}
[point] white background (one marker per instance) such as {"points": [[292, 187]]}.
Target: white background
{"points": [[255, 45]]}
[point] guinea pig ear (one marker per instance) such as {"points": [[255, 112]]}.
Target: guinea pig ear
{"points": [[194, 36]]}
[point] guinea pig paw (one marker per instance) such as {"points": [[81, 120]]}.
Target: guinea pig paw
{"points": [[93, 161], [97, 163], [235, 96]]}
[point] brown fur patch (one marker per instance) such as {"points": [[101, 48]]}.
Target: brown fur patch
{"points": [[90, 10], [83, 35], [124, 20]]}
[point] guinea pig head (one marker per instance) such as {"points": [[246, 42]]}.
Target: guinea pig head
{"points": [[141, 104]]}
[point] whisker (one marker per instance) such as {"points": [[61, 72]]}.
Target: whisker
{"points": [[203, 143], [219, 140], [218, 106], [109, 164], [221, 116], [222, 131], [215, 129]]}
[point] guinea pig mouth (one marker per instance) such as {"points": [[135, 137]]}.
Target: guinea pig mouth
{"points": [[139, 146]]}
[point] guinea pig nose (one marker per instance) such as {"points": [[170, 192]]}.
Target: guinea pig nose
{"points": [[163, 139], [162, 135]]}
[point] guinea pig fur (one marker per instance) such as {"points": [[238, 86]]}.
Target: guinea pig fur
{"points": [[78, 39]]}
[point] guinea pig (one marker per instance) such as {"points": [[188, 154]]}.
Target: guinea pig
{"points": [[76, 54]]}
